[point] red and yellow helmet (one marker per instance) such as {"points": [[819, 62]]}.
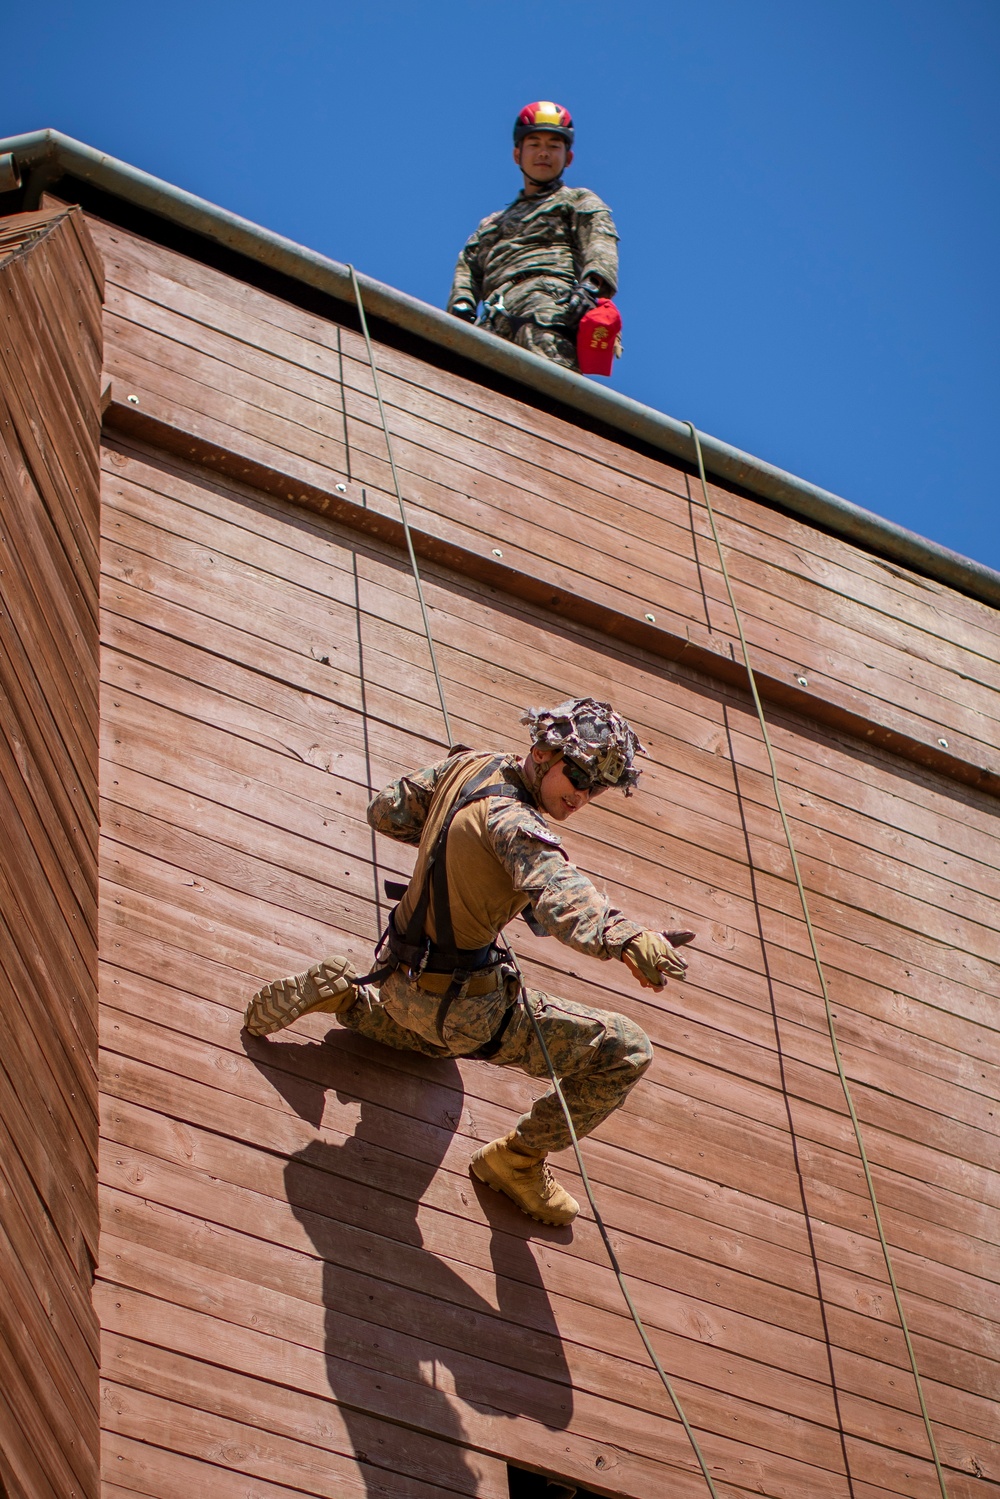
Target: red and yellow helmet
{"points": [[543, 114]]}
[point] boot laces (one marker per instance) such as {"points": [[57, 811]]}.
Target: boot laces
{"points": [[542, 1178]]}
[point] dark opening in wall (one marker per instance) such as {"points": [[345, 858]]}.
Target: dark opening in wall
{"points": [[523, 1485]]}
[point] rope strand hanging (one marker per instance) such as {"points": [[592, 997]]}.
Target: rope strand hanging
{"points": [[616, 1267], [402, 507], [820, 973]]}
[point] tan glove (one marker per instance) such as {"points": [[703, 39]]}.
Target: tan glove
{"points": [[653, 958]]}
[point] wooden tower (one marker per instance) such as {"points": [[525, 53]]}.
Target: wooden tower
{"points": [[299, 1291]]}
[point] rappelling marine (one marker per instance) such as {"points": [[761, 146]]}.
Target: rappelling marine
{"points": [[443, 982], [543, 263]]}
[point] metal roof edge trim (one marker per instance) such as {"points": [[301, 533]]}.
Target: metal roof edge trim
{"points": [[53, 149]]}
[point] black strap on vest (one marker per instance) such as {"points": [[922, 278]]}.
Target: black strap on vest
{"points": [[435, 885], [414, 947], [395, 890], [517, 323], [490, 1048]]}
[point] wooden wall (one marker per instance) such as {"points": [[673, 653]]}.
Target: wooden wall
{"points": [[301, 1291], [50, 365]]}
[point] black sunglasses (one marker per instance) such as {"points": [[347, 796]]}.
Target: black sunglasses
{"points": [[580, 779]]}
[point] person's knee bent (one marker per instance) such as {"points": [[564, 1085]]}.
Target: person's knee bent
{"points": [[640, 1048], [627, 1045]]}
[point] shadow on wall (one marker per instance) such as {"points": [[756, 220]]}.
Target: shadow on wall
{"points": [[407, 1338]]}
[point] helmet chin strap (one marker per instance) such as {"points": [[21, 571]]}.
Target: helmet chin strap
{"points": [[540, 181], [538, 774]]}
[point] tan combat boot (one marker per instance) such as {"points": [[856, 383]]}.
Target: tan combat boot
{"points": [[507, 1167], [327, 985]]}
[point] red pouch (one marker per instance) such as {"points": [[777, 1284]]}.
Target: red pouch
{"points": [[596, 338]]}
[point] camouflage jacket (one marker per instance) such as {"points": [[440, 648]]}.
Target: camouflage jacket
{"points": [[560, 235], [520, 859]]}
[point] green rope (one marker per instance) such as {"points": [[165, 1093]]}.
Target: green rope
{"points": [[402, 507], [841, 1073]]}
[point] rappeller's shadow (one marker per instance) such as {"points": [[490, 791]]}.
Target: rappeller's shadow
{"points": [[405, 1331]]}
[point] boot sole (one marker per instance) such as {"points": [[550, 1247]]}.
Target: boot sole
{"points": [[282, 1002], [482, 1172]]}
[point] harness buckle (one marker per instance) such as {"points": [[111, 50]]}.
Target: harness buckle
{"points": [[493, 308], [413, 974]]}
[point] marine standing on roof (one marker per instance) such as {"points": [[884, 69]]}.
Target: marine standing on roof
{"points": [[540, 264], [441, 987]]}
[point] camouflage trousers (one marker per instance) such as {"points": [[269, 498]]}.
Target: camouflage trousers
{"points": [[598, 1055], [554, 343], [551, 343]]}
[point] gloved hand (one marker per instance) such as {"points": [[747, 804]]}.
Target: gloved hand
{"points": [[583, 297], [465, 310], [653, 958]]}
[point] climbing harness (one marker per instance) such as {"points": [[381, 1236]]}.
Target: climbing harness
{"points": [[462, 971], [821, 975], [496, 315]]}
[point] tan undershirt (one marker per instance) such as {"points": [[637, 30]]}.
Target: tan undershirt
{"points": [[480, 890]]}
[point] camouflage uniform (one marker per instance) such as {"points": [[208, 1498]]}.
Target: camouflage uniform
{"points": [[524, 261], [598, 1055]]}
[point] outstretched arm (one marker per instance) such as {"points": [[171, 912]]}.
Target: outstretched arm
{"points": [[567, 905]]}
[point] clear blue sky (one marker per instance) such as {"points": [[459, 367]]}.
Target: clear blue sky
{"points": [[807, 192]]}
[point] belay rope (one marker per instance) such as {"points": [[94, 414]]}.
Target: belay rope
{"points": [[523, 996], [820, 974]]}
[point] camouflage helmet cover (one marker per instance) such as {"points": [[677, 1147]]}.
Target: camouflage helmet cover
{"points": [[592, 735]]}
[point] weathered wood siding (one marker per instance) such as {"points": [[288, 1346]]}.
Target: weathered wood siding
{"points": [[301, 1291], [50, 366]]}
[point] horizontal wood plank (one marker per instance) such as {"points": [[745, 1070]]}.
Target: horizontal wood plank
{"points": [[296, 336]]}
